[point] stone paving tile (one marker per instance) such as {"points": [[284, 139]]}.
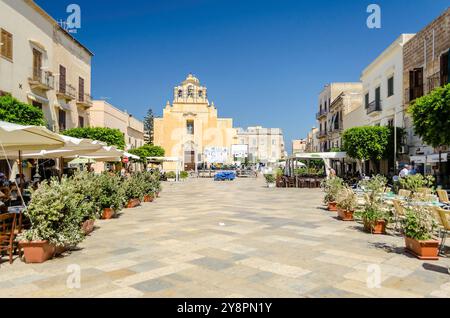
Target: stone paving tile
{"points": [[236, 239]]}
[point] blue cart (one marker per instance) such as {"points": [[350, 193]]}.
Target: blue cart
{"points": [[225, 175]]}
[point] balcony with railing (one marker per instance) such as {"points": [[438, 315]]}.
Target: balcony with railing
{"points": [[41, 79], [84, 100], [322, 113], [322, 133], [66, 91], [374, 107]]}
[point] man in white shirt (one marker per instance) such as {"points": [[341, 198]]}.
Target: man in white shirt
{"points": [[404, 172]]}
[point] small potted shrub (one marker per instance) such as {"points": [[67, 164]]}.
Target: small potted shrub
{"points": [[374, 215], [332, 187], [56, 211], [184, 175], [270, 180], [418, 227], [87, 184], [415, 182], [346, 204], [112, 195], [134, 190], [171, 176], [151, 186]]}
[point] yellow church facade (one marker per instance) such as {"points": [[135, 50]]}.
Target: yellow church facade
{"points": [[191, 131]]}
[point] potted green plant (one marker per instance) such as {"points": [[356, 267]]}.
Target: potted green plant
{"points": [[374, 215], [151, 185], [87, 185], [332, 187], [415, 182], [418, 228], [112, 195], [171, 176], [134, 190], [184, 175], [346, 204], [270, 180], [56, 211]]}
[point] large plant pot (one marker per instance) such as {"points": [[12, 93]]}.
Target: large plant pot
{"points": [[332, 206], [88, 226], [108, 213], [424, 250], [377, 227], [345, 215], [132, 203], [37, 251], [148, 198]]}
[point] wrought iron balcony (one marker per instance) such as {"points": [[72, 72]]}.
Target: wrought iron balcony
{"points": [[41, 79], [321, 114], [84, 100], [322, 133], [67, 91], [374, 107]]}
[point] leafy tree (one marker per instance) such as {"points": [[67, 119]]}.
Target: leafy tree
{"points": [[431, 118], [367, 142], [149, 126], [14, 111], [148, 151], [113, 137]]}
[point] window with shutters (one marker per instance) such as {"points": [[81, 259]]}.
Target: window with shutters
{"points": [[81, 121], [62, 79], [378, 98], [62, 119], [390, 85], [415, 83], [6, 48], [37, 65], [366, 100], [445, 69], [81, 89]]}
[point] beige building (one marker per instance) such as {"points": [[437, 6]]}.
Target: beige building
{"points": [[335, 101], [425, 67], [103, 114], [299, 146], [312, 141], [43, 65], [191, 130], [264, 144]]}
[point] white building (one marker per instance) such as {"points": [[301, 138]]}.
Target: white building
{"points": [[43, 65], [383, 86], [264, 144]]}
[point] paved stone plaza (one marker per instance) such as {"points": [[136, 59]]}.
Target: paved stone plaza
{"points": [[230, 239]]}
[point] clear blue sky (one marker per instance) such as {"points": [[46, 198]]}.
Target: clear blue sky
{"points": [[264, 62]]}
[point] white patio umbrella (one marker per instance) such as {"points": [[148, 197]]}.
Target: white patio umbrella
{"points": [[18, 138], [105, 153], [129, 155], [15, 137], [72, 147]]}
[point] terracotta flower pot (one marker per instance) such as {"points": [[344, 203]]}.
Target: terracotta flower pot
{"points": [[148, 198], [107, 214], [132, 203], [37, 251], [332, 206], [88, 226], [424, 250], [345, 215], [378, 227]]}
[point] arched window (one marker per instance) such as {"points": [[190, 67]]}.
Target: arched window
{"points": [[180, 93], [190, 91], [200, 93]]}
